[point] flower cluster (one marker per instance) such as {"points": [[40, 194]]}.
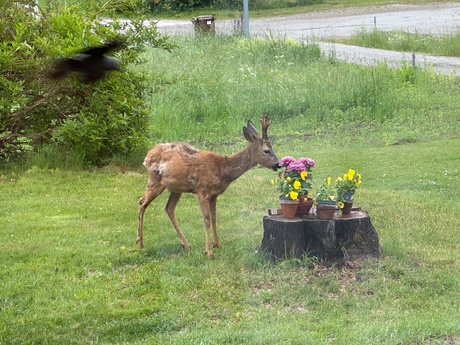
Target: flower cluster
{"points": [[342, 191], [347, 185], [295, 180], [303, 164]]}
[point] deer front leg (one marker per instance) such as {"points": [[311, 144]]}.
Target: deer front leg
{"points": [[212, 206], [170, 207], [140, 217], [204, 202]]}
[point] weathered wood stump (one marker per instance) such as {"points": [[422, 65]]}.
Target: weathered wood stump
{"points": [[349, 237]]}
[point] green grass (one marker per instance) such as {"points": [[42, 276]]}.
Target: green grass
{"points": [[211, 85], [445, 45], [71, 274]]}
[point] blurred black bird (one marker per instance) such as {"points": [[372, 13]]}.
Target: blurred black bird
{"points": [[91, 63]]}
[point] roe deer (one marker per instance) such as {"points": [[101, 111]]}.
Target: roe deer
{"points": [[181, 168]]}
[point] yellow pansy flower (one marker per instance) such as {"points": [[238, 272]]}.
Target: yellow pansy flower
{"points": [[351, 173], [340, 204], [328, 181], [296, 184], [303, 175], [294, 195]]}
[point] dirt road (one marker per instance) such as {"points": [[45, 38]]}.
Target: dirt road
{"points": [[436, 18]]}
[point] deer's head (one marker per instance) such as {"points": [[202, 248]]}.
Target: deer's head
{"points": [[263, 153]]}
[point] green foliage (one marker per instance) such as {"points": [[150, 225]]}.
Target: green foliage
{"points": [[177, 6], [325, 191], [98, 120], [272, 4]]}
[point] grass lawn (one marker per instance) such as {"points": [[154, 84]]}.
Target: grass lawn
{"points": [[71, 274]]}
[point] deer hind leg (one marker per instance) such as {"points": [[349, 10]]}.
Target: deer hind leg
{"points": [[212, 208], [170, 207], [154, 189]]}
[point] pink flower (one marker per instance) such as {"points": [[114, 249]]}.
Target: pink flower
{"points": [[308, 162], [297, 166], [285, 161]]}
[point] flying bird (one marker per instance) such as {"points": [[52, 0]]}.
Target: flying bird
{"points": [[92, 64]]}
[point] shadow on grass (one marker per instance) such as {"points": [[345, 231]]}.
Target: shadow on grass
{"points": [[161, 251], [146, 328], [150, 254]]}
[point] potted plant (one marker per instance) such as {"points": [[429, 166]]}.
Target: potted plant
{"points": [[325, 198], [294, 183], [346, 187]]}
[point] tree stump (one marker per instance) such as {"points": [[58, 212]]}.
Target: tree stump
{"points": [[349, 237]]}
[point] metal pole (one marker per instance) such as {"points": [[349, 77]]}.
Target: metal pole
{"points": [[246, 17]]}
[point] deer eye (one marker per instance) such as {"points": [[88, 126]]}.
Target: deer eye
{"points": [[267, 152]]}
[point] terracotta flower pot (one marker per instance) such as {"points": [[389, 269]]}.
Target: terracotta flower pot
{"points": [[288, 207], [325, 211], [347, 206], [304, 207]]}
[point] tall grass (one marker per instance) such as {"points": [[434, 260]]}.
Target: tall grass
{"points": [[213, 84], [445, 45]]}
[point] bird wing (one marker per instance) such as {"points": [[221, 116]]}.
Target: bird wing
{"points": [[102, 49]]}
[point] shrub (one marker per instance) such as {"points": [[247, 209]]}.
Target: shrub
{"points": [[99, 120]]}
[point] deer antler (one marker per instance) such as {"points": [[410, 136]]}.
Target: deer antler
{"points": [[265, 123]]}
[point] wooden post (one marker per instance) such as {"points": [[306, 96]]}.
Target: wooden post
{"points": [[348, 237]]}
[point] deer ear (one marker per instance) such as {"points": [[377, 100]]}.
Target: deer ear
{"points": [[249, 134], [251, 127]]}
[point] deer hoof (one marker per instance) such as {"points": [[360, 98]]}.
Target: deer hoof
{"points": [[216, 245], [186, 246], [210, 254], [140, 244]]}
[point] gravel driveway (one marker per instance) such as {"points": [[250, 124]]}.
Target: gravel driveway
{"points": [[437, 18]]}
